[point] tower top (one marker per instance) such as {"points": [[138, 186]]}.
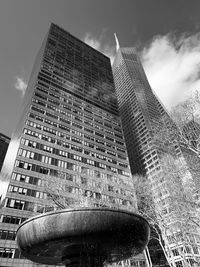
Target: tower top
{"points": [[117, 42]]}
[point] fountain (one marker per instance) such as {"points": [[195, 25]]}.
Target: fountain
{"points": [[83, 237]]}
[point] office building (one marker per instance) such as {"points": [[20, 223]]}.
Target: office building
{"points": [[69, 135], [142, 116], [4, 142]]}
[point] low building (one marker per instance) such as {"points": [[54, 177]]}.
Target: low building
{"points": [[4, 142]]}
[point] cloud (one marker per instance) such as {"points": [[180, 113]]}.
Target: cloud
{"points": [[172, 66], [20, 84], [98, 43], [92, 41]]}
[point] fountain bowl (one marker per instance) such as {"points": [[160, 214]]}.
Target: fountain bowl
{"points": [[83, 236]]}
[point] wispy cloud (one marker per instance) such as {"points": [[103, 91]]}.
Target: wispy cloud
{"points": [[20, 84], [99, 44], [92, 41], [172, 66]]}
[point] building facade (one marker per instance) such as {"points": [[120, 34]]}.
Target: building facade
{"points": [[143, 116], [69, 142], [4, 142]]}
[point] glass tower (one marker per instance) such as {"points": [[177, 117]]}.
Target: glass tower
{"points": [[142, 115], [69, 136], [140, 110]]}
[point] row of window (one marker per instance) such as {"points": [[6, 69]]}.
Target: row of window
{"points": [[62, 143], [67, 87], [69, 115], [70, 189], [80, 180], [28, 206], [129, 263], [65, 154], [10, 253], [66, 52], [72, 123], [19, 204], [82, 74], [64, 128], [177, 237], [71, 58], [26, 179], [77, 88], [26, 192], [12, 219], [76, 178], [35, 207], [76, 109], [62, 38], [185, 250], [44, 170], [66, 176], [7, 235], [68, 165], [79, 105]]}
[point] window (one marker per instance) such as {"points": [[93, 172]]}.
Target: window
{"points": [[102, 166], [7, 235], [83, 180], [90, 162], [110, 188], [26, 153], [195, 249], [52, 115], [78, 158], [16, 189], [62, 153], [37, 109], [43, 170], [26, 179], [7, 252], [88, 130], [46, 159], [70, 166], [120, 143], [77, 140], [12, 219], [175, 252], [27, 142], [99, 134], [77, 125], [179, 264], [62, 164], [23, 165], [111, 153], [109, 138], [15, 204]]}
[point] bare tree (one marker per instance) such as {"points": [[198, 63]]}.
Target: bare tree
{"points": [[171, 208], [181, 126], [61, 195], [147, 208], [89, 192], [186, 116]]}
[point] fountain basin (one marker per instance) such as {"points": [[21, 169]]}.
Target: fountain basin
{"points": [[71, 236]]}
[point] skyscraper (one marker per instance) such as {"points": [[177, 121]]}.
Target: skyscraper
{"points": [[69, 135], [139, 108], [142, 116]]}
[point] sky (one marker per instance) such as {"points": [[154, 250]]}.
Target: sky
{"points": [[166, 34]]}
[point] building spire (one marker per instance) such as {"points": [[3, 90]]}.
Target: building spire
{"points": [[117, 42]]}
